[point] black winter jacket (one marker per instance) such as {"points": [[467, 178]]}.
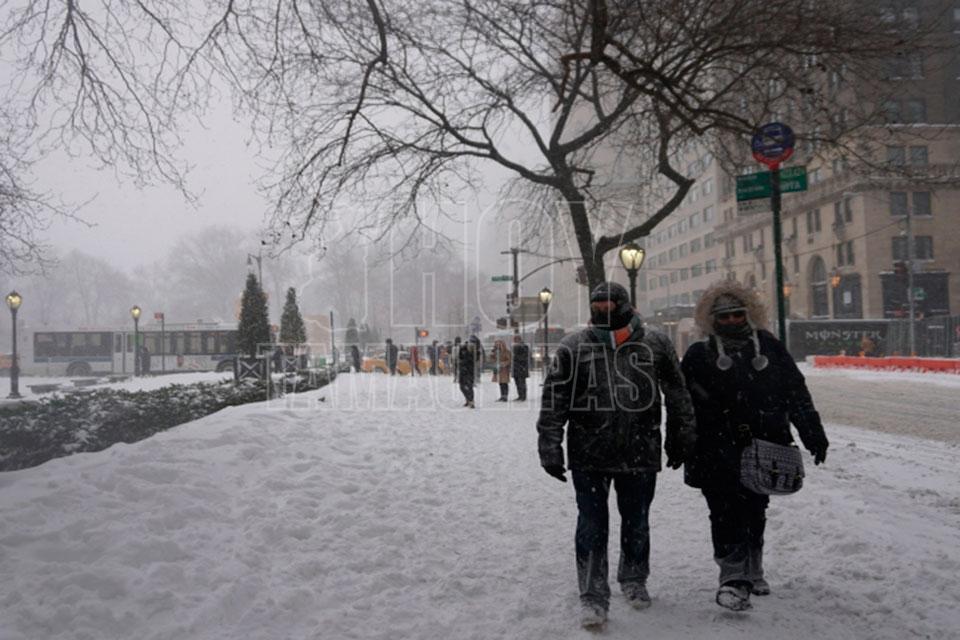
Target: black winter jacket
{"points": [[611, 400], [767, 401], [521, 361]]}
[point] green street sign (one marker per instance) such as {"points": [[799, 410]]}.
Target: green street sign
{"points": [[501, 278], [757, 185]]}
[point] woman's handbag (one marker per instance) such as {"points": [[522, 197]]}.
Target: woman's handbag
{"points": [[771, 469]]}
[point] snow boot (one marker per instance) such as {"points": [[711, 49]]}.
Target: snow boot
{"points": [[760, 587], [593, 617], [636, 595], [734, 596], [471, 405]]}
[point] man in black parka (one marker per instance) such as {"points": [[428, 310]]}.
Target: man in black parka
{"points": [[744, 385], [520, 363], [604, 384], [391, 356]]}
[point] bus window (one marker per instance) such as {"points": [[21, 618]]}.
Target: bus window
{"points": [[227, 342], [209, 342], [44, 345], [117, 343], [152, 340], [129, 342], [193, 343]]}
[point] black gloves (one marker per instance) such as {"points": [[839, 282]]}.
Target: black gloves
{"points": [[678, 449], [556, 470], [819, 453]]}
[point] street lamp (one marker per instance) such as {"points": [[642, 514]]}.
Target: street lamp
{"points": [[787, 289], [835, 280], [135, 314], [14, 301], [545, 297], [631, 256]]}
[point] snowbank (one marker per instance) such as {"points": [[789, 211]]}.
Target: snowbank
{"points": [[386, 511]]}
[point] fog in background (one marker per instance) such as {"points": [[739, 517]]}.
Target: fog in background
{"points": [[153, 247]]}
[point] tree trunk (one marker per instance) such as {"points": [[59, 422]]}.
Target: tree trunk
{"points": [[581, 229]]}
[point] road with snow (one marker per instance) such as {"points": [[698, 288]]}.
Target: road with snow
{"points": [[387, 511], [920, 404]]}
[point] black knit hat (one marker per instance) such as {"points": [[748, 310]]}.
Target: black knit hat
{"points": [[610, 291]]}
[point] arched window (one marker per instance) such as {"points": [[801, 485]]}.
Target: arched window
{"points": [[819, 304]]}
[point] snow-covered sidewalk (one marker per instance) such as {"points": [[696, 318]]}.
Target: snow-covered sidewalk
{"points": [[387, 511]]}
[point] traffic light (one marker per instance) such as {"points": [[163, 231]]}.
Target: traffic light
{"points": [[423, 333]]}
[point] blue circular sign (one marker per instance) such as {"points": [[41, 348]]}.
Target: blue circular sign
{"points": [[773, 143]]}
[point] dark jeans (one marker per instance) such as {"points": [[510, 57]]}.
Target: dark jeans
{"points": [[737, 521], [521, 388], [466, 388], [634, 495]]}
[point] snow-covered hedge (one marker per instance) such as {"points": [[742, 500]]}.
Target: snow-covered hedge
{"points": [[32, 433]]}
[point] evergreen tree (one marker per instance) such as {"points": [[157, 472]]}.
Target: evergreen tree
{"points": [[254, 328], [292, 329]]}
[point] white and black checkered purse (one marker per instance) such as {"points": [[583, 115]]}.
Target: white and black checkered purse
{"points": [[771, 469]]}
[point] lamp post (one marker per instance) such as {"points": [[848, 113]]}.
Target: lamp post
{"points": [[13, 301], [135, 314], [545, 297], [631, 256]]}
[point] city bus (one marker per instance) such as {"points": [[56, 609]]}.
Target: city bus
{"points": [[200, 346]]}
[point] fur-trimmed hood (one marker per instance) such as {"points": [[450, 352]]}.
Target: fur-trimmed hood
{"points": [[756, 310]]}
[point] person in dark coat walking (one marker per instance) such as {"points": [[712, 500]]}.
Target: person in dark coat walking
{"points": [[434, 354], [144, 360], [355, 357], [744, 385], [466, 357], [391, 356], [479, 356], [521, 366], [604, 384]]}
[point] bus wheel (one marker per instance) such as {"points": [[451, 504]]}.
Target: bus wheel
{"points": [[78, 369]]}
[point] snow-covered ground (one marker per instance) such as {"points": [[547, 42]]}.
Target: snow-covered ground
{"points": [[387, 511]]}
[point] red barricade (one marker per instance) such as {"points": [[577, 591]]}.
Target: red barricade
{"points": [[897, 363]]}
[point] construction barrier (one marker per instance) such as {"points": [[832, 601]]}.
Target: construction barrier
{"points": [[900, 363]]}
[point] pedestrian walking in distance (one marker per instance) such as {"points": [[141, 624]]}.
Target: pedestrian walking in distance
{"points": [[604, 386], [521, 366], [355, 358], [465, 370], [501, 369], [744, 386], [454, 359], [391, 356]]}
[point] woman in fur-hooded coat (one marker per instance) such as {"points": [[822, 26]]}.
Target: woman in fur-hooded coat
{"points": [[744, 384]]}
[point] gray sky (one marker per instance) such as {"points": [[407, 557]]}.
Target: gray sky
{"points": [[135, 226]]}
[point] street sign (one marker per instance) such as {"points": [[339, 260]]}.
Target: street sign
{"points": [[501, 278], [752, 207], [772, 144], [757, 185]]}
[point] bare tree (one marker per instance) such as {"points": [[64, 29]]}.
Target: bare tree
{"points": [[378, 108]]}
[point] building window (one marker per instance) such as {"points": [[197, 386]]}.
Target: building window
{"points": [[918, 156], [694, 220], [748, 242], [673, 253], [849, 246], [730, 249], [708, 214], [820, 305], [664, 281], [683, 250], [695, 245], [921, 203], [763, 270], [898, 203], [707, 187], [915, 110], [848, 210], [708, 240], [696, 270], [922, 248], [838, 220], [673, 276], [710, 266], [796, 264], [728, 214], [653, 283], [896, 156], [684, 274], [891, 111], [813, 221]]}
